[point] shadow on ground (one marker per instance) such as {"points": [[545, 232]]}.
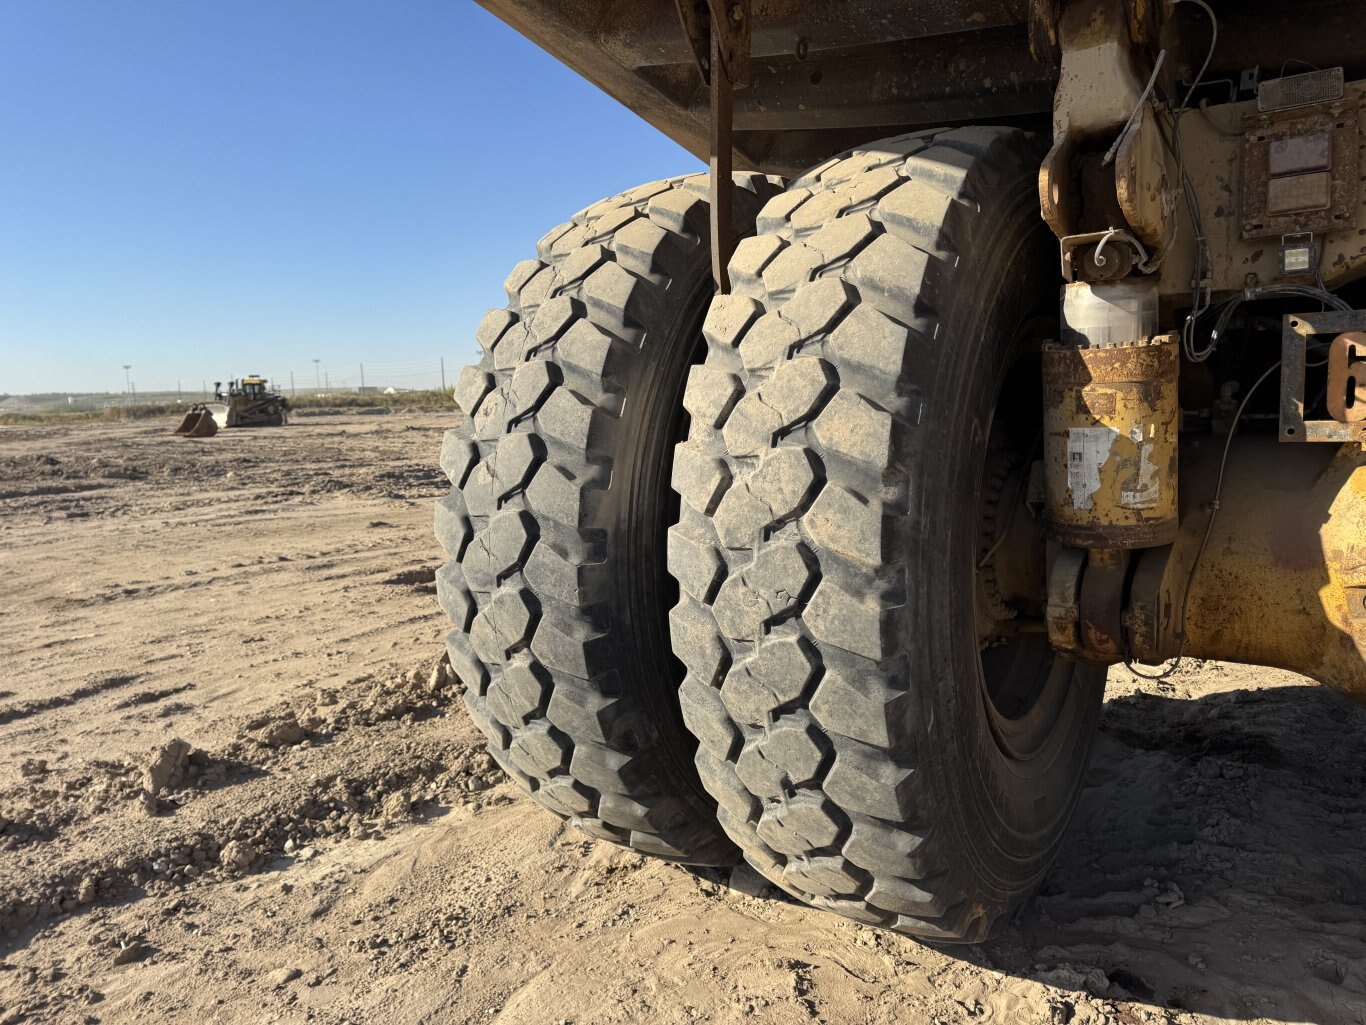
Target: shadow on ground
{"points": [[1215, 864]]}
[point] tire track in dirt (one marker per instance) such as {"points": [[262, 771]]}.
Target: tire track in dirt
{"points": [[383, 875], [25, 709]]}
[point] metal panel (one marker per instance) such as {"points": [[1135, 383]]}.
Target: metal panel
{"points": [[834, 74], [1296, 330], [1277, 201]]}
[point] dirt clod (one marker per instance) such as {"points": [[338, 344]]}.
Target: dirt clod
{"points": [[166, 768], [281, 977], [237, 855], [131, 953]]}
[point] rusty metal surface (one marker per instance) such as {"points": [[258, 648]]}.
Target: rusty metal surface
{"points": [[1043, 31], [718, 33], [1101, 607], [1283, 577], [719, 163], [1122, 254], [1110, 443], [1143, 615], [1296, 331], [1212, 145], [644, 33], [1064, 597], [822, 77], [1108, 170], [1347, 377], [1300, 171], [1144, 18], [1144, 179], [1099, 86], [831, 75]]}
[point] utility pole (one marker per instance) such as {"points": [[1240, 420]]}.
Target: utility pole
{"points": [[177, 390], [443, 373], [127, 380], [292, 393], [362, 377], [317, 380], [327, 382]]}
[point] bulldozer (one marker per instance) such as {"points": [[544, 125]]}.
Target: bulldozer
{"points": [[248, 402], [800, 506]]}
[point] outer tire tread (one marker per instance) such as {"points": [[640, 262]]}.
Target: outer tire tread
{"points": [[527, 525], [789, 548]]}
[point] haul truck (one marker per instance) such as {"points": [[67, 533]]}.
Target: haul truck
{"points": [[801, 506]]}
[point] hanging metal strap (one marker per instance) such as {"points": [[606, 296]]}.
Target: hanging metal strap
{"points": [[718, 32]]}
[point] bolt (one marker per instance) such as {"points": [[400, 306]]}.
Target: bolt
{"points": [[737, 13]]}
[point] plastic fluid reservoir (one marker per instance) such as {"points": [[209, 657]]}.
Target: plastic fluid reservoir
{"points": [[1108, 312]]}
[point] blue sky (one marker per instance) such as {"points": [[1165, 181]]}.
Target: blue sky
{"points": [[206, 188]]}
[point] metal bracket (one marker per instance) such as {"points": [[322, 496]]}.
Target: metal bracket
{"points": [[723, 22], [1296, 330], [718, 33], [1064, 600], [1093, 244], [1101, 607]]}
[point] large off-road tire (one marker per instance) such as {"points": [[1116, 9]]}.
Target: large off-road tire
{"points": [[867, 753], [556, 521]]}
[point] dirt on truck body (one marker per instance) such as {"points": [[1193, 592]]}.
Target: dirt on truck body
{"points": [[802, 505]]}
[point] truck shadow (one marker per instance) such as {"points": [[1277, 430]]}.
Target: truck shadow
{"points": [[1215, 863]]}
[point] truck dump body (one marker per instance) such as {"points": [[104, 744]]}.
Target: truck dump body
{"points": [[826, 76]]}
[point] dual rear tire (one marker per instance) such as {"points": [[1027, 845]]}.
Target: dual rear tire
{"points": [[834, 714], [558, 509]]}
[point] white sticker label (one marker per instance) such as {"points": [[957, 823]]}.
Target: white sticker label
{"points": [[1145, 488], [1087, 450]]}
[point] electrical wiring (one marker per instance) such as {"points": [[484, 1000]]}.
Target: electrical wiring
{"points": [[1227, 310], [1171, 140], [1129, 124], [1209, 56]]}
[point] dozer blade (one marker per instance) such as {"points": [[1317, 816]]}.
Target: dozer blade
{"points": [[197, 424], [221, 414]]}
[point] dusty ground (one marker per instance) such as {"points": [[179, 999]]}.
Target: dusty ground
{"points": [[330, 844]]}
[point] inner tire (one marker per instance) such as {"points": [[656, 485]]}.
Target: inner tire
{"points": [[866, 753], [558, 510]]}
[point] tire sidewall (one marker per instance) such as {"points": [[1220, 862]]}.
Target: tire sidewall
{"points": [[1007, 816]]}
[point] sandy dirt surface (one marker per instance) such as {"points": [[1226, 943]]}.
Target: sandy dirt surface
{"points": [[237, 785]]}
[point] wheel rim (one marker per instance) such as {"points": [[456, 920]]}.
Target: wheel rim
{"points": [[1023, 684]]}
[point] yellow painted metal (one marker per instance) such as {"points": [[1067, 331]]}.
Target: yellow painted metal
{"points": [[1212, 141], [1111, 418], [1282, 579]]}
